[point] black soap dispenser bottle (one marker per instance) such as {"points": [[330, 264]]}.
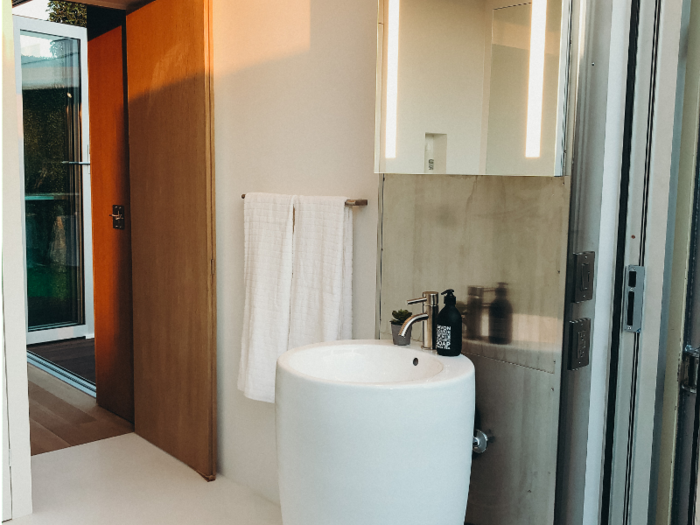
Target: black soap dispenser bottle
{"points": [[449, 327]]}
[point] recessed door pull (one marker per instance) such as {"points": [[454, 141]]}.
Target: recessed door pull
{"points": [[634, 299]]}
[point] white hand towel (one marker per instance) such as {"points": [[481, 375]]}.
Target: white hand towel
{"points": [[267, 278], [322, 277]]}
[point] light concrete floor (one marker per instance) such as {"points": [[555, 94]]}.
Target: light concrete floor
{"points": [[126, 480]]}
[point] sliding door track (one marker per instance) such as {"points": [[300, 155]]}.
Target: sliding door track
{"points": [[61, 373]]}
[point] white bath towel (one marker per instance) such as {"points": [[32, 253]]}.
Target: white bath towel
{"points": [[268, 225], [322, 278]]}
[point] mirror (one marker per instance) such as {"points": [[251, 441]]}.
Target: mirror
{"points": [[472, 87]]}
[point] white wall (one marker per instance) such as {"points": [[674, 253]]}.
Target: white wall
{"points": [[294, 85]]}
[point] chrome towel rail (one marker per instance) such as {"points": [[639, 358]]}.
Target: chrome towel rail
{"points": [[349, 202]]}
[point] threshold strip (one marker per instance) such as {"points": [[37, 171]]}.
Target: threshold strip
{"points": [[61, 373]]}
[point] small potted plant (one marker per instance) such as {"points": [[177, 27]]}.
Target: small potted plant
{"points": [[396, 324]]}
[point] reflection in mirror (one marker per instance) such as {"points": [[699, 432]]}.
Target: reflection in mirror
{"points": [[473, 87]]}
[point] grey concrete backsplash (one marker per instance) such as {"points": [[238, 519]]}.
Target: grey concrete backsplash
{"points": [[442, 231]]}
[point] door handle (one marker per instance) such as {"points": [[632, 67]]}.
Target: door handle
{"points": [[74, 163]]}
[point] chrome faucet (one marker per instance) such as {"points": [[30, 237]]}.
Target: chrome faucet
{"points": [[430, 303]]}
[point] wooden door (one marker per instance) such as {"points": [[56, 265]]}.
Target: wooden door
{"points": [[170, 138], [114, 357]]}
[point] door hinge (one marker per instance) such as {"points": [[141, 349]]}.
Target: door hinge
{"points": [[579, 343], [584, 275], [213, 267], [690, 365]]}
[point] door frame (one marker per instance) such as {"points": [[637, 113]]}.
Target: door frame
{"points": [[79, 33], [14, 282], [645, 229], [677, 476], [596, 164], [14, 291]]}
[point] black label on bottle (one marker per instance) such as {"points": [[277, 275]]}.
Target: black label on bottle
{"points": [[444, 337]]}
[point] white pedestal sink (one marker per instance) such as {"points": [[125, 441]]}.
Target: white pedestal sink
{"points": [[369, 433]]}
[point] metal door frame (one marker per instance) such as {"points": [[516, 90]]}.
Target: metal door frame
{"points": [[638, 359], [678, 483], [79, 33], [596, 165], [685, 469]]}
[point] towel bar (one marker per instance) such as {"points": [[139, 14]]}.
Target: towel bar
{"points": [[349, 202]]}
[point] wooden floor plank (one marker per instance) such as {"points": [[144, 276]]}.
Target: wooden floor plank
{"points": [[43, 440], [62, 416], [62, 390], [72, 433], [58, 406]]}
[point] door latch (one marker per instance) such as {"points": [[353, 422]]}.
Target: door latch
{"points": [[634, 299], [117, 217], [690, 366]]}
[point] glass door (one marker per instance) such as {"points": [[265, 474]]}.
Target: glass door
{"points": [[51, 81]]}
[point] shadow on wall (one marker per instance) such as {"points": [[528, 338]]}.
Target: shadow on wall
{"points": [[169, 86]]}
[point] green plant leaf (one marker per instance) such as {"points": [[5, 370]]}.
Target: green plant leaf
{"points": [[400, 316]]}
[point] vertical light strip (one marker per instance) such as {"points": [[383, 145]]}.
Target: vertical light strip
{"points": [[538, 29], [392, 80]]}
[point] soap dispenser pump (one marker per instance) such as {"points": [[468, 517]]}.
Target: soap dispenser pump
{"points": [[449, 327]]}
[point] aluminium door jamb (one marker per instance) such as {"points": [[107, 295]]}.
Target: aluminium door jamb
{"points": [[634, 418], [602, 52]]}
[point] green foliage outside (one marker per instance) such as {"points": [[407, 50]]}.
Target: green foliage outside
{"points": [[45, 141], [68, 13], [52, 275]]}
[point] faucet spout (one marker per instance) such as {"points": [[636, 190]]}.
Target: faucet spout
{"points": [[411, 321], [429, 302]]}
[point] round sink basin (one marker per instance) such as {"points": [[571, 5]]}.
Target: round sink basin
{"points": [[372, 433], [362, 363]]}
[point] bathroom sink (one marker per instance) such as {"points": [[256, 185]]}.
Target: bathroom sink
{"points": [[367, 363], [372, 433]]}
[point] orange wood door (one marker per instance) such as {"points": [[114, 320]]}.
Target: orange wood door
{"points": [[170, 128], [114, 360]]}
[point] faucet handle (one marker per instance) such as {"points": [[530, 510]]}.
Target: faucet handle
{"points": [[430, 298], [433, 298]]}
